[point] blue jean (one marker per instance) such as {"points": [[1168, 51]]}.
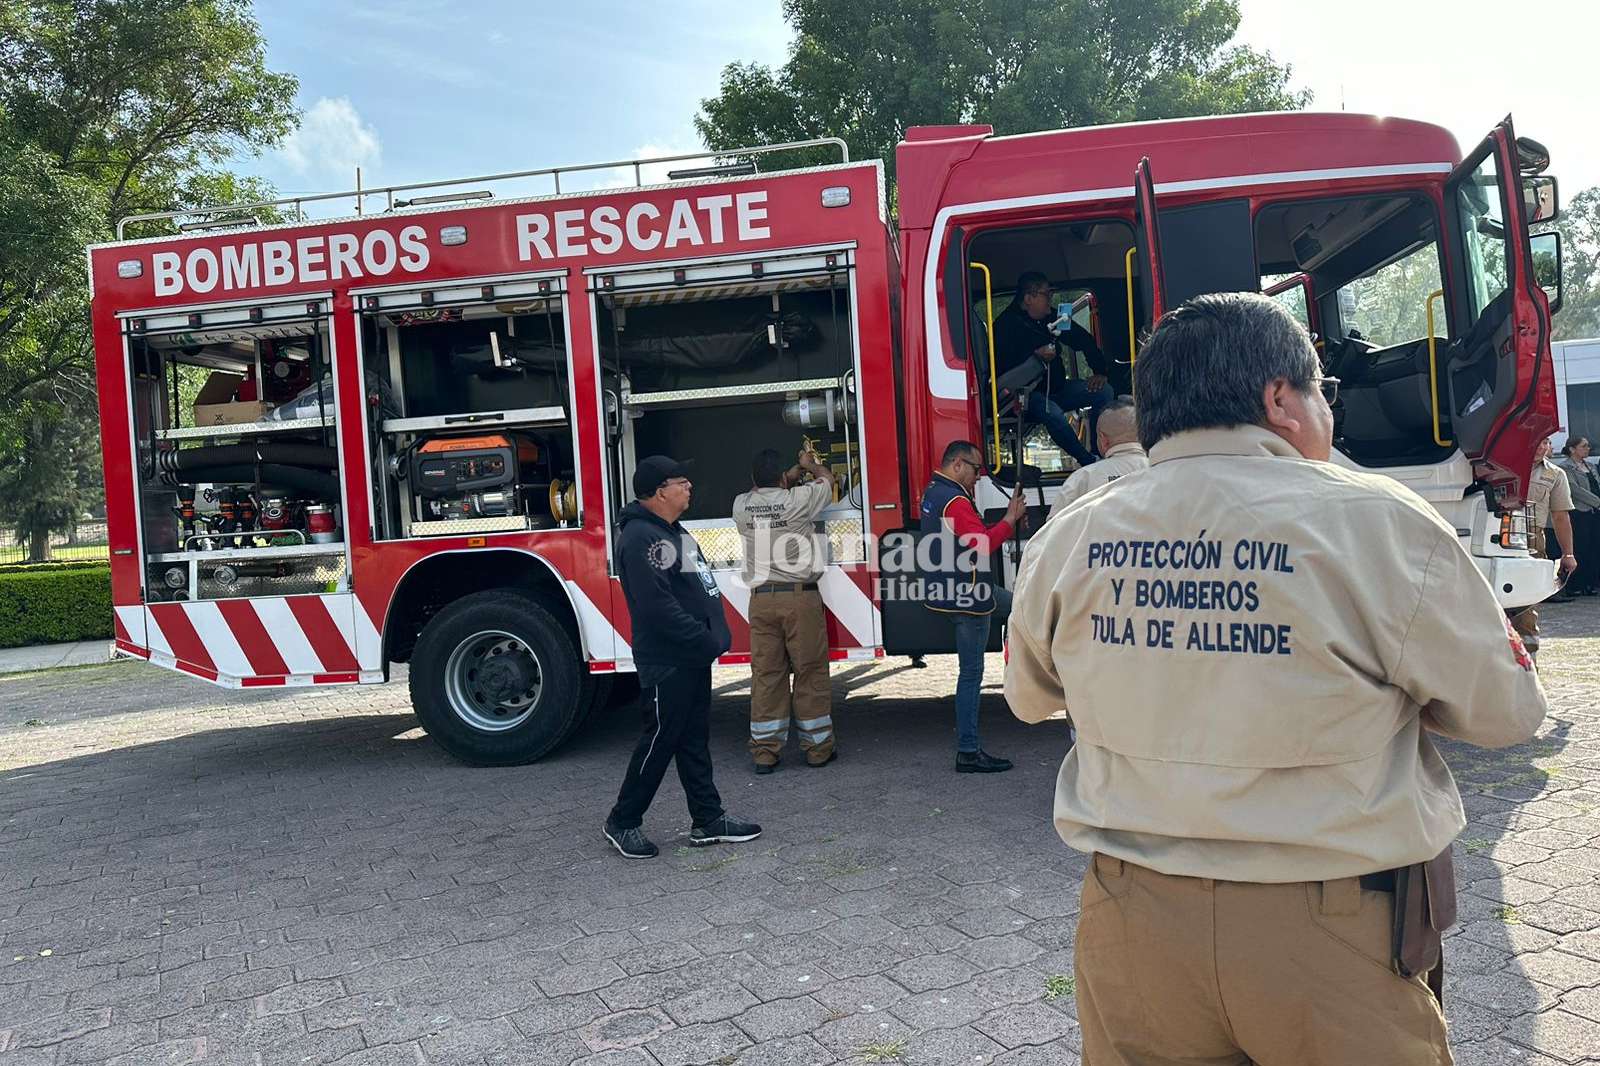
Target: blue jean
{"points": [[1050, 410], [972, 641]]}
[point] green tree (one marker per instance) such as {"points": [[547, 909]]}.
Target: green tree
{"points": [[864, 70], [107, 108], [47, 215], [141, 95], [48, 494], [1579, 226]]}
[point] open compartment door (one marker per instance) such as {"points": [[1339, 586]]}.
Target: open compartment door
{"points": [[1147, 239], [1499, 380]]}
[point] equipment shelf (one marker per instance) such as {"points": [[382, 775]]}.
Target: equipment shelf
{"points": [[730, 393], [290, 551], [245, 429], [525, 417]]}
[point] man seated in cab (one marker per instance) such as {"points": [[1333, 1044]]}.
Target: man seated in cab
{"points": [[1023, 332]]}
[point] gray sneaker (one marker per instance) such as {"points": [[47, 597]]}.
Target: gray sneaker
{"points": [[632, 843], [724, 830]]}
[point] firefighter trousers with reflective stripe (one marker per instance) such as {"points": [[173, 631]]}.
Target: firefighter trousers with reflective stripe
{"points": [[677, 727], [1187, 970], [789, 675]]}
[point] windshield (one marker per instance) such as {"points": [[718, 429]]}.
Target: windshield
{"points": [[1389, 306], [1483, 235]]}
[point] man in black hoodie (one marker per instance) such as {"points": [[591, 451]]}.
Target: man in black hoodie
{"points": [[678, 632], [1021, 333]]}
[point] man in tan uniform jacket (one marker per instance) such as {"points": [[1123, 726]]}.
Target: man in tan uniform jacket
{"points": [[1118, 437], [1255, 645], [783, 559]]}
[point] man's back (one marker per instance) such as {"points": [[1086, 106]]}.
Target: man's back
{"points": [[1244, 638], [778, 527], [1120, 461]]}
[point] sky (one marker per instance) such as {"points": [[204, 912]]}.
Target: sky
{"points": [[420, 90], [417, 90]]}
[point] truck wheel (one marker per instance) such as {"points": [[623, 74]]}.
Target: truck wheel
{"points": [[599, 695], [497, 681]]}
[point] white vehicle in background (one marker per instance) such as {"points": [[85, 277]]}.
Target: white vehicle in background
{"points": [[1577, 386]]}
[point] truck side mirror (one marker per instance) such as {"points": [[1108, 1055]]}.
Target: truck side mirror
{"points": [[1546, 248], [1540, 198]]}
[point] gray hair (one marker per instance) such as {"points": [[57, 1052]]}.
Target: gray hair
{"points": [[1207, 363], [1119, 420]]}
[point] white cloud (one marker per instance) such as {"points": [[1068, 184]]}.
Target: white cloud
{"points": [[649, 174], [331, 142]]}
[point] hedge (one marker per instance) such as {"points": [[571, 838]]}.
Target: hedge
{"points": [[53, 605], [54, 566]]}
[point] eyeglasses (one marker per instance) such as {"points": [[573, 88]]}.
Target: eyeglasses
{"points": [[976, 467], [1330, 389]]}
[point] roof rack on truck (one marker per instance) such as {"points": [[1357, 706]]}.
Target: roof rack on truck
{"points": [[206, 216]]}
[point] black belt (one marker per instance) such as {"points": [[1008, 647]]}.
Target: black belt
{"points": [[786, 586], [1382, 881]]}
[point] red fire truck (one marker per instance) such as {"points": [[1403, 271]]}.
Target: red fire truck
{"points": [[403, 436]]}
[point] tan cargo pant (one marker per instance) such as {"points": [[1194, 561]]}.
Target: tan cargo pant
{"points": [[789, 637], [1188, 970]]}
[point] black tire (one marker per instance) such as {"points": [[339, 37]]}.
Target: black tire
{"points": [[599, 696], [518, 709]]}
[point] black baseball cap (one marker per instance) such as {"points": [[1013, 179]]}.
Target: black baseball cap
{"points": [[655, 471]]}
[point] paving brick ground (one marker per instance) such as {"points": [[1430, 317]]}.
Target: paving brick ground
{"points": [[188, 875]]}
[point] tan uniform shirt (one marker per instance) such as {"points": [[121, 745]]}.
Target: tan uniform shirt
{"points": [[781, 542], [1120, 461], [1548, 490], [1250, 645]]}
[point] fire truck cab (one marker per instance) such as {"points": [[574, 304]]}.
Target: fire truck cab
{"points": [[1409, 263], [404, 436]]}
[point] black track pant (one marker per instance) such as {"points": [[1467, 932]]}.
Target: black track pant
{"points": [[1586, 546], [677, 725]]}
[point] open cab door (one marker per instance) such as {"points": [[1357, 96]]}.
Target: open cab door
{"points": [[1147, 251], [1147, 242], [1499, 379]]}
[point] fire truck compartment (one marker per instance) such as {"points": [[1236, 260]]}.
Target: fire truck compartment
{"points": [[717, 373], [723, 440], [239, 481], [480, 440]]}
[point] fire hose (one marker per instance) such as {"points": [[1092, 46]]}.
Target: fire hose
{"points": [[324, 486], [311, 455]]}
